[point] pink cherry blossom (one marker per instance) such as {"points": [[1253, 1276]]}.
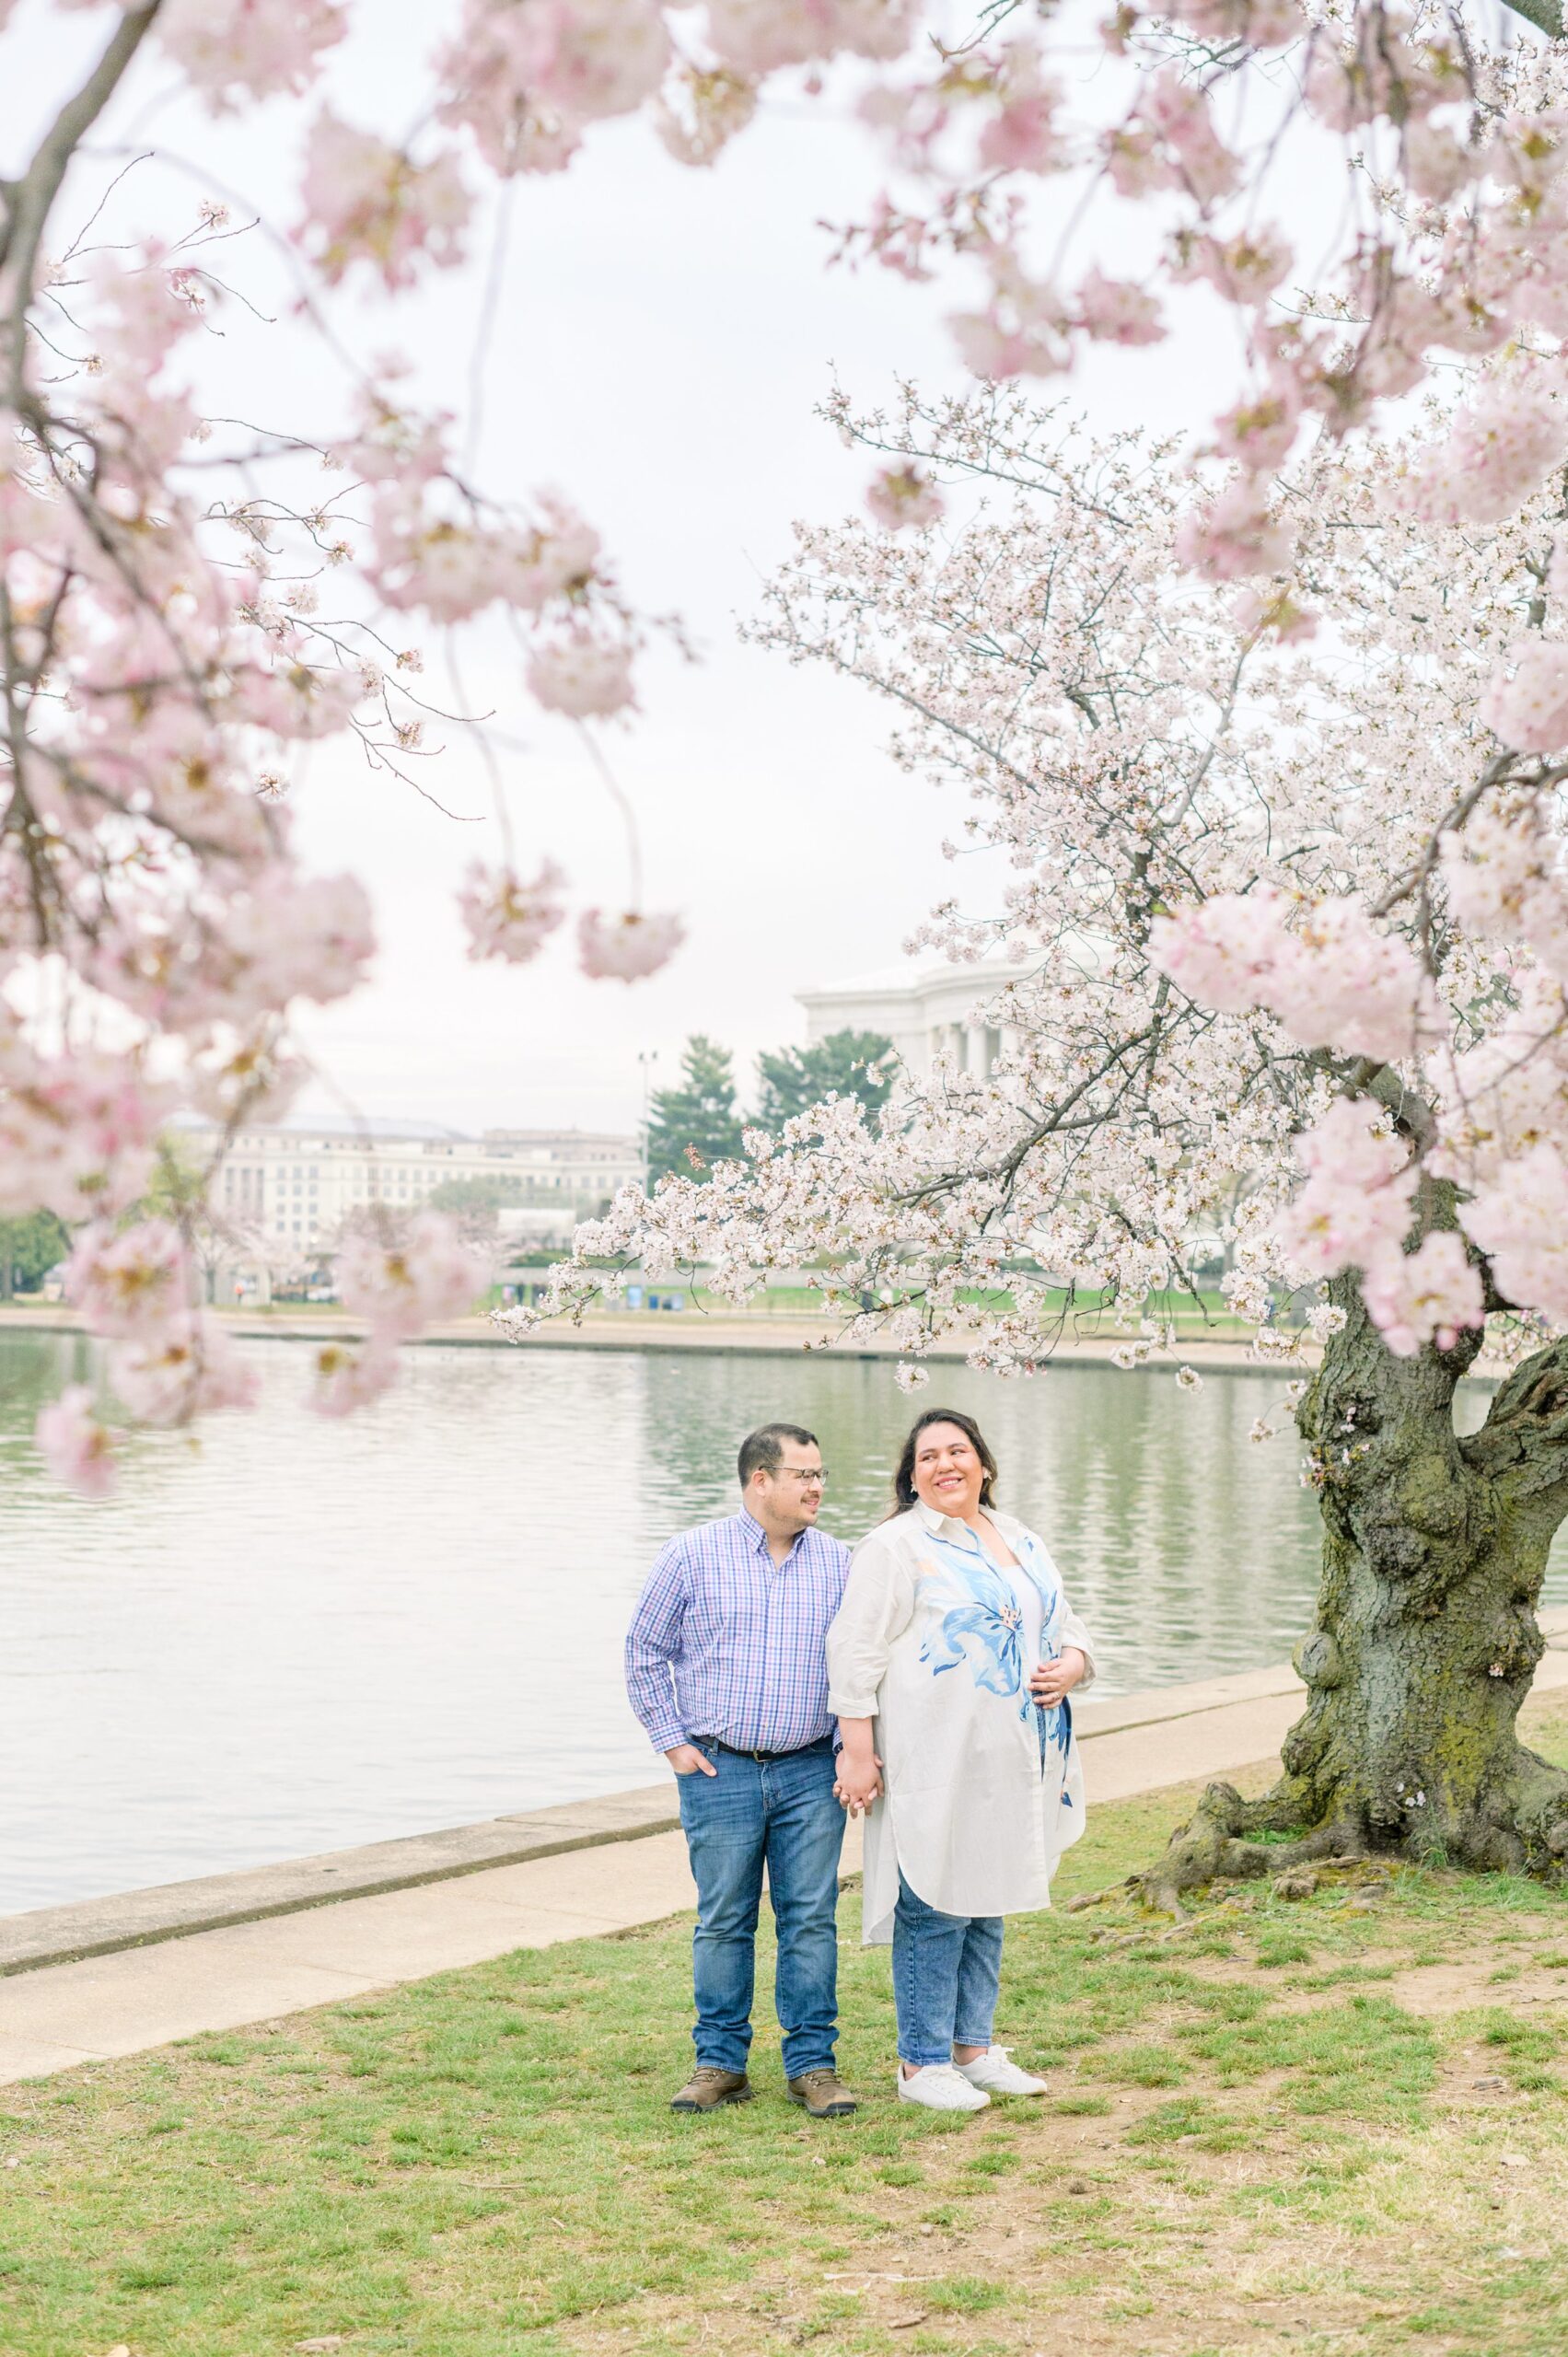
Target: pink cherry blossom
{"points": [[76, 1130], [507, 918], [131, 1283], [1425, 1296], [1520, 1220], [526, 76], [761, 36], [352, 1376], [365, 201], [1527, 703], [581, 673], [1356, 1206], [904, 496], [1325, 970], [1114, 312], [558, 558], [250, 48], [1235, 535], [1263, 24], [76, 1448], [1223, 950], [1501, 445], [1504, 873], [702, 110], [628, 946], [1274, 613], [1022, 136], [188, 1368], [399, 1284], [1259, 434]]}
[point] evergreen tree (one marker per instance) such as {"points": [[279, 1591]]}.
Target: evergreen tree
{"points": [[696, 1124], [796, 1078], [30, 1247]]}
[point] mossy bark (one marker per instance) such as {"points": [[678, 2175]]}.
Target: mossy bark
{"points": [[1425, 1639]]}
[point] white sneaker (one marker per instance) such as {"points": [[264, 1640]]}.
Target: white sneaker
{"points": [[999, 2076], [941, 2087]]}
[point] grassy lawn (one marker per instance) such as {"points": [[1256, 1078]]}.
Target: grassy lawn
{"points": [[1334, 2124]]}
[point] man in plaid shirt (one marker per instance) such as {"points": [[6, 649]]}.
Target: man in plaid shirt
{"points": [[727, 1668]]}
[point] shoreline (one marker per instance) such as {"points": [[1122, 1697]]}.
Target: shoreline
{"points": [[782, 1335]]}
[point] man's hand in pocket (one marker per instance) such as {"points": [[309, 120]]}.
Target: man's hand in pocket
{"points": [[687, 1760]]}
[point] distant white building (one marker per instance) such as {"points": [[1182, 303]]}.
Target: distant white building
{"points": [[291, 1184], [926, 1011]]}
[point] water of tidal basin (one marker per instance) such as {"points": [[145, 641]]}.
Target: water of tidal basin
{"points": [[299, 1635]]}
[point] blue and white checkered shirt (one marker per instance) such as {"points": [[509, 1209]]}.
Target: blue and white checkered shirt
{"points": [[727, 1642]]}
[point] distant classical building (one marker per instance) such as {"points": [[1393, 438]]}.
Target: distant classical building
{"points": [[291, 1184], [926, 1011]]}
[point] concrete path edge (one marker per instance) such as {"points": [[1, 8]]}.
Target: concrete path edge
{"points": [[1214, 1725]]}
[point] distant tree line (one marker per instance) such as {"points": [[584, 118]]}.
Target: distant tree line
{"points": [[699, 1121]]}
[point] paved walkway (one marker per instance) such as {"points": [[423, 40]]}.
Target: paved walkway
{"points": [[191, 1982]]}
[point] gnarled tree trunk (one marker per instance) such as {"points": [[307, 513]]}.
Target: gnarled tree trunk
{"points": [[1425, 1637]]}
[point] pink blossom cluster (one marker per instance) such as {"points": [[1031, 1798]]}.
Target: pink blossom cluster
{"points": [[365, 201], [507, 918], [1519, 1222], [1501, 445], [1323, 968], [168, 1360], [436, 549], [900, 496], [401, 1284], [1527, 703], [624, 947], [1504, 876]]}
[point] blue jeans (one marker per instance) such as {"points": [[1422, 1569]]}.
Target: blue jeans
{"points": [[946, 1970], [781, 1813]]}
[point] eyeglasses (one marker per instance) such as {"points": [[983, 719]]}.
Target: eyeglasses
{"points": [[810, 1477]]}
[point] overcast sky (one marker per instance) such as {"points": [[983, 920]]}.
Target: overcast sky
{"points": [[661, 340]]}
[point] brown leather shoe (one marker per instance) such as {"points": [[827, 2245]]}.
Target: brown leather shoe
{"points": [[709, 2087], [822, 2094]]}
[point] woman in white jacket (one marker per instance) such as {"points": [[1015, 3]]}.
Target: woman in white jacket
{"points": [[949, 1665]]}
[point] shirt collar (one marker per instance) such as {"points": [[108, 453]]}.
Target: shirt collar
{"points": [[756, 1538], [947, 1525]]}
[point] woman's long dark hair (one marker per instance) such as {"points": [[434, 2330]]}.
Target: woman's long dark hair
{"points": [[905, 1490]]}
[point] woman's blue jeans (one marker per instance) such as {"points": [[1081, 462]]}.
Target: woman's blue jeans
{"points": [[946, 1971], [781, 1813]]}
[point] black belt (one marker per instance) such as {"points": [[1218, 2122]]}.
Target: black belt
{"points": [[738, 1751]]}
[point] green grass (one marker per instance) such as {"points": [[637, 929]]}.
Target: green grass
{"points": [[1252, 2142]]}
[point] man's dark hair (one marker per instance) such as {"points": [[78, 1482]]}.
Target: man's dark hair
{"points": [[762, 1451]]}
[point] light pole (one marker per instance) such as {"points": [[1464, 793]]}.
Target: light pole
{"points": [[647, 1058]]}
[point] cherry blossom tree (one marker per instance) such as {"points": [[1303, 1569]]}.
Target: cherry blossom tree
{"points": [[164, 652], [1200, 799]]}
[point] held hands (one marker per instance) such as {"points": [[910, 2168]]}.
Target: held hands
{"points": [[687, 1760], [1049, 1681], [858, 1781]]}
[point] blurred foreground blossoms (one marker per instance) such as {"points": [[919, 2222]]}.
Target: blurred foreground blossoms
{"points": [[163, 647]]}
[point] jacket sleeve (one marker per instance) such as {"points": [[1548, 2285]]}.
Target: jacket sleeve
{"points": [[652, 1645], [1074, 1633], [878, 1606]]}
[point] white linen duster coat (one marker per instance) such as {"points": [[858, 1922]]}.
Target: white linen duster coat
{"points": [[935, 1643]]}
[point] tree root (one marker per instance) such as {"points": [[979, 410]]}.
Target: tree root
{"points": [[1213, 1846], [1520, 1827]]}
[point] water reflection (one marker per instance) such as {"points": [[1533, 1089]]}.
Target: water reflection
{"points": [[299, 1634]]}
